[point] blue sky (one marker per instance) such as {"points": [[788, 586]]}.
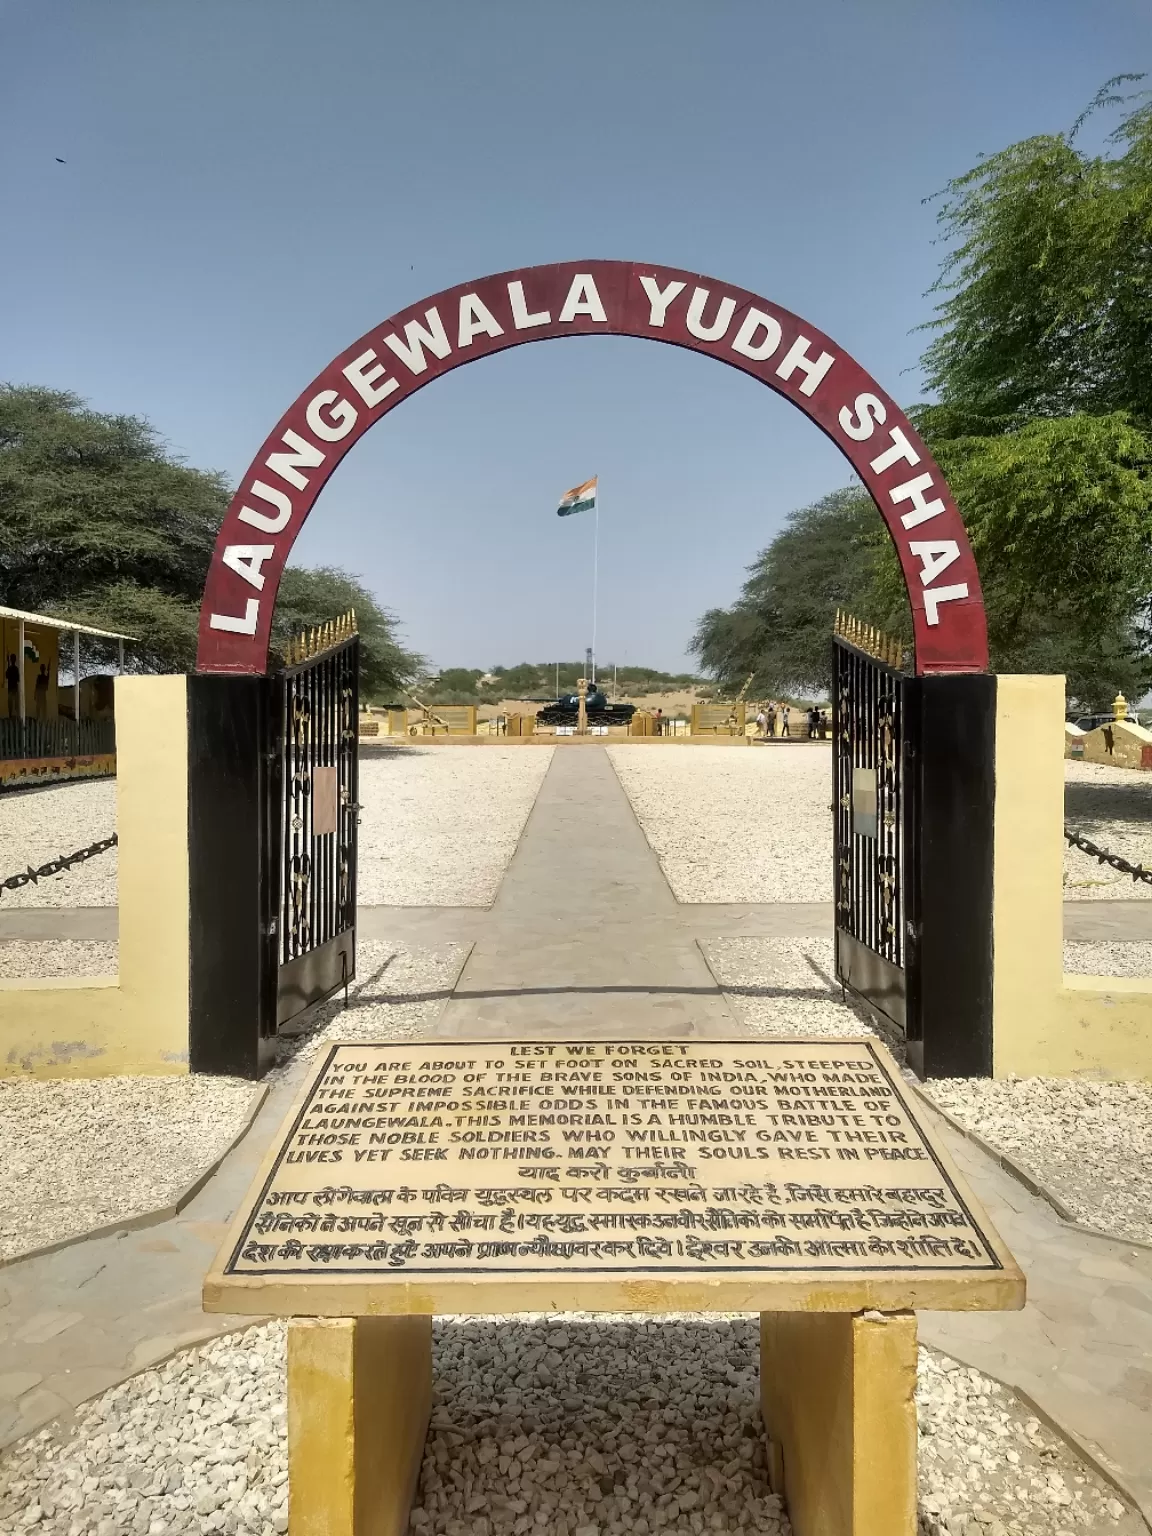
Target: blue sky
{"points": [[249, 187]]}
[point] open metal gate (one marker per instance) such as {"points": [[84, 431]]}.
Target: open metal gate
{"points": [[314, 796], [874, 789]]}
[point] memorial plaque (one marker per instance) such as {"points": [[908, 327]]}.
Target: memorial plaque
{"points": [[519, 1161]]}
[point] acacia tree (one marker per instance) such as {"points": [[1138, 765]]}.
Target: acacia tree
{"points": [[98, 522], [1042, 368]]}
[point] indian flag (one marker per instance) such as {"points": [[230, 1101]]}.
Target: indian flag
{"points": [[581, 498]]}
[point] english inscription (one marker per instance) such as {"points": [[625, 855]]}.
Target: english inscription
{"points": [[630, 1157]]}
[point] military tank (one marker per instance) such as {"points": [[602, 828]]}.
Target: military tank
{"points": [[566, 710]]}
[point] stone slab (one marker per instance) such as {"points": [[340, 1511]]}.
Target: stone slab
{"points": [[625, 1175]]}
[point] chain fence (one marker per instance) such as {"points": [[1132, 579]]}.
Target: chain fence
{"points": [[55, 866], [1102, 856]]}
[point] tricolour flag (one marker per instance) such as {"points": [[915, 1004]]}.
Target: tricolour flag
{"points": [[581, 498]]}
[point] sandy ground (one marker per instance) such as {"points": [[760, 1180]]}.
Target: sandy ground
{"points": [[440, 824], [728, 825], [38, 824]]}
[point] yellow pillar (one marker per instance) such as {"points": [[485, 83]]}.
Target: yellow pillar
{"points": [[838, 1396], [359, 1397]]}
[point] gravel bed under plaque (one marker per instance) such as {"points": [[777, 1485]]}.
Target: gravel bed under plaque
{"points": [[79, 1153], [1090, 1143], [439, 824], [735, 825], [1109, 958], [38, 824], [1112, 807], [568, 1425]]}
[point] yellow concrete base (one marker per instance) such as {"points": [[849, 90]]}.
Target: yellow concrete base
{"points": [[136, 1023], [359, 1398], [838, 1396], [1046, 1024]]}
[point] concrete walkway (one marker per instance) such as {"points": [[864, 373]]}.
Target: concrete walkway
{"points": [[586, 938]]}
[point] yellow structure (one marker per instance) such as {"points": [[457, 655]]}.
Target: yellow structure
{"points": [[838, 1394], [718, 719], [1043, 1022], [137, 1022], [359, 1398], [1120, 743]]}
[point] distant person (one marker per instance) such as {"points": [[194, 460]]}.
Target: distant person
{"points": [[813, 723], [784, 712], [770, 729], [42, 693], [658, 722], [761, 721], [12, 678], [823, 724]]}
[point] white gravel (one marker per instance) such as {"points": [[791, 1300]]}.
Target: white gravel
{"points": [[398, 994], [38, 824], [1113, 808], [58, 957], [1128, 957], [563, 1425], [733, 824], [79, 1153], [1090, 1143], [439, 824]]}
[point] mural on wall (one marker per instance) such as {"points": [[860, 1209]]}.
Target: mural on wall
{"points": [[41, 671]]}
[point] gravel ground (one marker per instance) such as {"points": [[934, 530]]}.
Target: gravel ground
{"points": [[38, 824], [1090, 1143], [440, 824], [1119, 958], [79, 1153], [565, 1425], [787, 987], [58, 957], [1112, 807], [732, 825]]}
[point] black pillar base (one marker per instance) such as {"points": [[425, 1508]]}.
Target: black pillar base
{"points": [[949, 873], [231, 852]]}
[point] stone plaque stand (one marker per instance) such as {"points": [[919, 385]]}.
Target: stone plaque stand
{"points": [[790, 1178]]}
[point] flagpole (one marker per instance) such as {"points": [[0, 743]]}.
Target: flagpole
{"points": [[595, 575]]}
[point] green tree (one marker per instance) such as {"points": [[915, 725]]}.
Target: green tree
{"points": [[779, 630], [309, 596], [97, 520]]}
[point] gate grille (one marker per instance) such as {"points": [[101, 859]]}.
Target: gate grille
{"points": [[315, 716], [873, 817]]}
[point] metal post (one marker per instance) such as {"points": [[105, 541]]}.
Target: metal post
{"points": [[20, 665], [595, 576], [120, 663], [76, 688]]}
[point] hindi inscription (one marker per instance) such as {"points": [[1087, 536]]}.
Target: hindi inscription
{"points": [[677, 1159]]}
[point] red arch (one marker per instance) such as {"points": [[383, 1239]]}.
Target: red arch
{"points": [[620, 298]]}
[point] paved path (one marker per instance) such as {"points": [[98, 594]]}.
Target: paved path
{"points": [[585, 936]]}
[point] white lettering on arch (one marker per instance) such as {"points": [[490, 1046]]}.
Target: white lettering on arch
{"points": [[660, 298], [935, 556], [235, 626], [814, 369], [362, 378], [724, 312], [246, 560], [935, 596], [337, 424], [410, 351], [304, 455], [583, 299], [523, 320], [756, 320], [869, 409], [276, 498], [913, 491], [476, 319]]}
